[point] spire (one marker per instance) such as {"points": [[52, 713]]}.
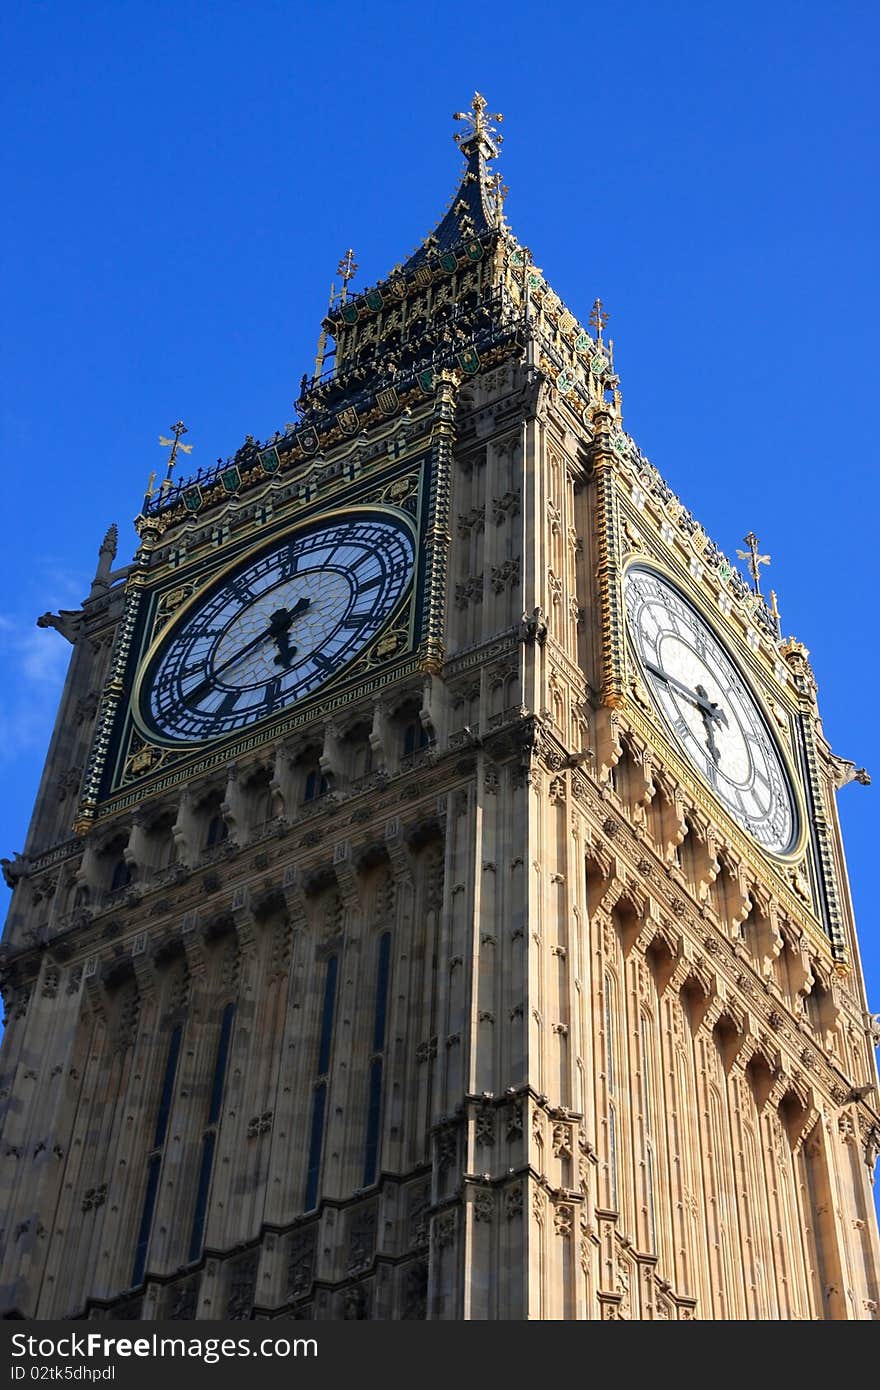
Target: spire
{"points": [[478, 204]]}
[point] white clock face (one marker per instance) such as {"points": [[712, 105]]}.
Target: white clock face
{"points": [[709, 709], [277, 627]]}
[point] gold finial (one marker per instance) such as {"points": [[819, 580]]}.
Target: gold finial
{"points": [[174, 445], [347, 268], [479, 122], [774, 607], [598, 319], [755, 560]]}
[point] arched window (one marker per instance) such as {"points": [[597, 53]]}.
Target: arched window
{"points": [[316, 785], [218, 831], [121, 876], [415, 736]]}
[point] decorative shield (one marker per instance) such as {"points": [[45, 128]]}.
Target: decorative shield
{"points": [[388, 401], [348, 420], [564, 381], [231, 479], [374, 300], [583, 342], [308, 440], [398, 287], [469, 360], [619, 442], [424, 275], [192, 499], [269, 460], [474, 250], [426, 381], [449, 261], [567, 322], [517, 258], [599, 364], [350, 313]]}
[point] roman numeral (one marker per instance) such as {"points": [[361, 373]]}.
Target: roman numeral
{"points": [[272, 694]]}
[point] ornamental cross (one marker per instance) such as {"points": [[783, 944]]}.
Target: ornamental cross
{"points": [[755, 560], [479, 122], [174, 445], [598, 318], [347, 268]]}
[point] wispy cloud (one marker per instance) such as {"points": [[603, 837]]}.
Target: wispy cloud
{"points": [[34, 663]]}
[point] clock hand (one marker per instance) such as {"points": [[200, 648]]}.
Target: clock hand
{"points": [[279, 626], [707, 707], [708, 714]]}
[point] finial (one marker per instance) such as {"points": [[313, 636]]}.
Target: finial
{"points": [[174, 445], [347, 268], [598, 319], [774, 607], [755, 560], [498, 190], [111, 540], [481, 131]]}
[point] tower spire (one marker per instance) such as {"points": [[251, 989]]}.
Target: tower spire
{"points": [[478, 204]]}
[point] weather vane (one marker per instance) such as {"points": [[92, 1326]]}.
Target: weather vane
{"points": [[755, 560], [598, 319], [174, 445]]}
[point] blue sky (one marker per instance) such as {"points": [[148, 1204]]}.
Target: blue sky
{"points": [[182, 179]]}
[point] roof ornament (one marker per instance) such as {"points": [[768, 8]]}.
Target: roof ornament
{"points": [[174, 445], [347, 268], [598, 319], [481, 132], [755, 560]]}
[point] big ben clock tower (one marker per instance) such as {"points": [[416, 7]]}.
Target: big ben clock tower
{"points": [[434, 905]]}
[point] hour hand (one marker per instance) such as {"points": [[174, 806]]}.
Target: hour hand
{"points": [[279, 630], [698, 697]]}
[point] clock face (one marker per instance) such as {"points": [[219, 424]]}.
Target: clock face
{"points": [[276, 627], [709, 709]]}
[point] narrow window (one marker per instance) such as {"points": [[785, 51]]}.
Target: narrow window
{"points": [[218, 831], [374, 1093], [319, 1102], [415, 736], [154, 1159], [121, 876], [209, 1138], [316, 785], [610, 1084]]}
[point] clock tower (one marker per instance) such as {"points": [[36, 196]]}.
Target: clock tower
{"points": [[434, 905]]}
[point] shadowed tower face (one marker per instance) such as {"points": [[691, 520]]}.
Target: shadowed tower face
{"points": [[434, 903]]}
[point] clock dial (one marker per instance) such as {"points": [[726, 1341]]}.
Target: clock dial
{"points": [[709, 709], [276, 627]]}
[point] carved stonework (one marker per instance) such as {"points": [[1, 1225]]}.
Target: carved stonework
{"points": [[361, 1238], [301, 1261], [242, 1286]]}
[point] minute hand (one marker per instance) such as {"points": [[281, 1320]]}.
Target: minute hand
{"points": [[279, 625], [702, 702]]}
